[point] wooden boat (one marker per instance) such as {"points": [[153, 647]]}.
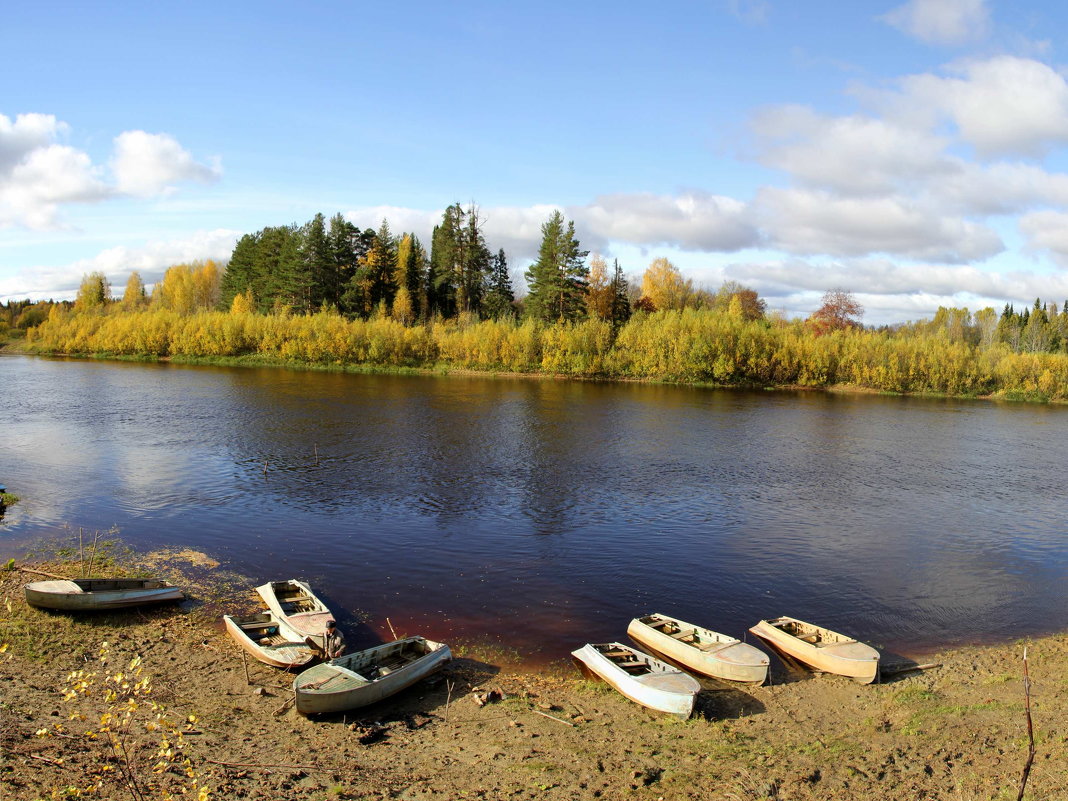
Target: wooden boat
{"points": [[364, 677], [269, 640], [700, 650], [91, 594], [820, 648], [640, 677], [293, 601]]}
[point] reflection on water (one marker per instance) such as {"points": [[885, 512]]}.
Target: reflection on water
{"points": [[548, 513]]}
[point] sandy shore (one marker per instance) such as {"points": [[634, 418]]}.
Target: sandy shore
{"points": [[165, 706]]}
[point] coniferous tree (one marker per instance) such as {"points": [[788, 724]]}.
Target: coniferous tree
{"points": [[343, 240], [317, 262], [498, 297], [557, 280], [473, 264], [243, 273], [445, 254], [620, 297]]}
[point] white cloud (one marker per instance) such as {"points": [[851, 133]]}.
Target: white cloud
{"points": [[147, 164], [151, 260], [854, 155], [944, 22], [689, 221], [39, 175], [811, 222], [1047, 231], [1001, 106]]}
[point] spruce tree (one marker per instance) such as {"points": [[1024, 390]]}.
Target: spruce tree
{"points": [[317, 262], [620, 296], [445, 250], [557, 280], [498, 296]]}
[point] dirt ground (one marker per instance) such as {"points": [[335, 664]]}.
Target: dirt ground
{"points": [[164, 708]]}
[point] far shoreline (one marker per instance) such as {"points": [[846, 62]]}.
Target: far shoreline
{"points": [[12, 347]]}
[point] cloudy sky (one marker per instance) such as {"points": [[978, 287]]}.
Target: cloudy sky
{"points": [[913, 153]]}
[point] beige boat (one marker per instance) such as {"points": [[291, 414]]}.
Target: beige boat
{"points": [[293, 602], [269, 640], [640, 677], [820, 648], [703, 651], [366, 677], [92, 594]]}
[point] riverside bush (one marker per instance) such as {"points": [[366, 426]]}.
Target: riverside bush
{"points": [[691, 345]]}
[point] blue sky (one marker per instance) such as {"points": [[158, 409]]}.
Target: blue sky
{"points": [[912, 153]]}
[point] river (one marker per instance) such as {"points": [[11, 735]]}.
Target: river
{"points": [[542, 514]]}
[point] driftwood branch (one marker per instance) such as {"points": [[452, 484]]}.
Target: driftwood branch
{"points": [[55, 762], [269, 765], [1030, 730], [43, 573], [553, 717]]}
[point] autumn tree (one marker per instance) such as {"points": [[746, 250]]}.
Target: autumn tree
{"points": [[739, 301], [557, 280], [187, 288], [134, 296], [665, 287], [94, 292], [599, 290], [838, 310]]}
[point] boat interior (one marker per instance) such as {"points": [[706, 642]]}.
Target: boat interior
{"points": [[627, 660], [807, 633], [382, 662], [690, 635], [262, 628], [106, 585], [294, 600]]}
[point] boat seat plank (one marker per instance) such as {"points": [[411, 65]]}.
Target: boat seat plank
{"points": [[684, 634]]}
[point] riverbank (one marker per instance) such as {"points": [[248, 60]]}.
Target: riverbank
{"points": [[956, 732], [698, 347], [445, 369]]}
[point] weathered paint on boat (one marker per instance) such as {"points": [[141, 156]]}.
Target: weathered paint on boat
{"points": [[820, 648], [269, 640], [295, 603], [701, 650], [365, 677], [640, 677], [91, 594]]}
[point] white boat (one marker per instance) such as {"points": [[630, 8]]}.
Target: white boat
{"points": [[90, 594], [701, 650], [820, 648], [640, 677], [364, 677], [293, 601], [269, 639]]}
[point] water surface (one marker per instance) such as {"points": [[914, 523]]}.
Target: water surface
{"points": [[546, 513]]}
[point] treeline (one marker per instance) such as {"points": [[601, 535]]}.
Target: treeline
{"points": [[334, 265], [691, 345]]}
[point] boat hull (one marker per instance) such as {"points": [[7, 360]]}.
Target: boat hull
{"points": [[281, 648], [701, 650], [834, 653], [87, 595], [345, 683], [667, 689]]}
